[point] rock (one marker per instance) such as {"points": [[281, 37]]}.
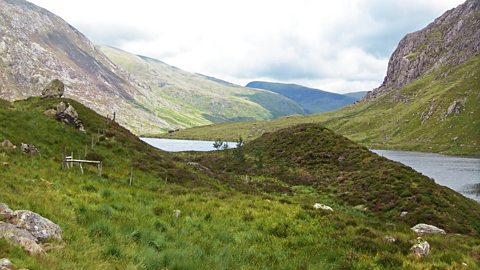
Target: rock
{"points": [[341, 159], [361, 207], [54, 89], [29, 149], [422, 228], [42, 228], [323, 207], [21, 238], [421, 248], [5, 211], [6, 144], [65, 113], [52, 113], [455, 108], [389, 239], [199, 167], [403, 214], [176, 213], [5, 264]]}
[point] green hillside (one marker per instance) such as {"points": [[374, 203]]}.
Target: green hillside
{"points": [[240, 209], [394, 120], [186, 99], [311, 100]]}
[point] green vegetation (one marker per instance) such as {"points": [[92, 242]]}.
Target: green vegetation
{"points": [[392, 121], [247, 209]]}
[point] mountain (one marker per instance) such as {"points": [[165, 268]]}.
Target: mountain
{"points": [[312, 100], [356, 95], [248, 208], [37, 46], [428, 101], [198, 99]]}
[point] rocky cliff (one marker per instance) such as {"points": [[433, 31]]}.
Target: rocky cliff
{"points": [[451, 39]]}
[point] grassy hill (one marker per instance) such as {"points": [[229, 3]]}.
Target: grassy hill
{"points": [[312, 100], [243, 209], [197, 100], [413, 118]]}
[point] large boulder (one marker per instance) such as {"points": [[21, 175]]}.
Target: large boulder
{"points": [[43, 229], [67, 114], [422, 228], [21, 238], [54, 89]]}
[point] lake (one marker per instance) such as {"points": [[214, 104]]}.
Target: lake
{"points": [[457, 173]]}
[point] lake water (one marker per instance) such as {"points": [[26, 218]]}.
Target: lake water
{"points": [[171, 145], [457, 173]]}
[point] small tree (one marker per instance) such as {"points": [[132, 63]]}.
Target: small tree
{"points": [[218, 144]]}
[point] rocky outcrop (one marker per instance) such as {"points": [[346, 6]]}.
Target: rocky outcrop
{"points": [[29, 149], [54, 89], [421, 248], [65, 113], [450, 40], [27, 229], [422, 228]]}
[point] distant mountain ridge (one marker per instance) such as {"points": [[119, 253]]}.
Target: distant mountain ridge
{"points": [[36, 46], [312, 100]]}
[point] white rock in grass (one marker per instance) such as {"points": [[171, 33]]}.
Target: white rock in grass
{"points": [[5, 264], [323, 207], [176, 213], [421, 248], [422, 228]]}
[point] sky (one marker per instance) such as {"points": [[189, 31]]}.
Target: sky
{"points": [[339, 46]]}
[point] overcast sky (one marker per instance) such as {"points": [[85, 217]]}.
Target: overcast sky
{"points": [[340, 45]]}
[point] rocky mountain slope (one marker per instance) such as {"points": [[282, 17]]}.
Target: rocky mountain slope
{"points": [[312, 100], [199, 99], [428, 102], [451, 39], [37, 46]]}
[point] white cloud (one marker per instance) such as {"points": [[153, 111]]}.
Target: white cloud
{"points": [[334, 45]]}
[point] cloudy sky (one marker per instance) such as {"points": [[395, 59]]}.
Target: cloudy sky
{"points": [[340, 45]]}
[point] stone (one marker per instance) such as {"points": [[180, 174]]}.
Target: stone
{"points": [[423, 228], [403, 214], [176, 213], [29, 149], [6, 264], [199, 167], [455, 108], [361, 207], [421, 248], [5, 211], [41, 228], [21, 238], [6, 144], [54, 89], [50, 113], [323, 207], [389, 239], [67, 114]]}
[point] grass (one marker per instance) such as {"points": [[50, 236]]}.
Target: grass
{"points": [[237, 216], [392, 121]]}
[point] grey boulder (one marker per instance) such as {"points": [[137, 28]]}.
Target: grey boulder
{"points": [[423, 228]]}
